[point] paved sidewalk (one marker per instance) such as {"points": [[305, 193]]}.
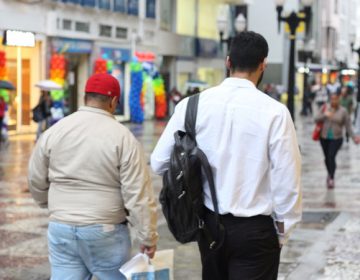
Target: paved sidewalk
{"points": [[325, 246]]}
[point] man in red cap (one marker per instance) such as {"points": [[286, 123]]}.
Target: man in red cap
{"points": [[90, 172]]}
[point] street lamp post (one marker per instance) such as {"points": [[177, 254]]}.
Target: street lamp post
{"points": [[307, 56], [293, 20], [222, 25]]}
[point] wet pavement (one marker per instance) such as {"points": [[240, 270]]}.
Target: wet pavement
{"points": [[326, 245]]}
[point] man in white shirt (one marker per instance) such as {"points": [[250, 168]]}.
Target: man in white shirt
{"points": [[250, 141], [90, 172]]}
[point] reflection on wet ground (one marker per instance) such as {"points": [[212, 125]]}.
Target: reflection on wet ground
{"points": [[330, 223]]}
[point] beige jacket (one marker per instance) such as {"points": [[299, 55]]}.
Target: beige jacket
{"points": [[88, 168]]}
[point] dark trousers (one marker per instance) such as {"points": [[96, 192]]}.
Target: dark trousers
{"points": [[330, 149], [250, 250]]}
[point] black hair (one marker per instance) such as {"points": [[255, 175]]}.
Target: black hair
{"points": [[98, 97], [248, 49]]}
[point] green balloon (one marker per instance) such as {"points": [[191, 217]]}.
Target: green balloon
{"points": [[135, 67], [109, 65], [5, 94], [57, 95]]}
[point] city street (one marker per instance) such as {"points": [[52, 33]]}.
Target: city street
{"points": [[326, 245]]}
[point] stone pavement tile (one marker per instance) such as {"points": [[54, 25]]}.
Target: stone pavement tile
{"points": [[10, 238], [21, 262]]}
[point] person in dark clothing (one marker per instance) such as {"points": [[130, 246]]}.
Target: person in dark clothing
{"points": [[45, 104]]}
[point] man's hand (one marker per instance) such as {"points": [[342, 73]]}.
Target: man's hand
{"points": [[280, 229], [329, 114], [148, 250]]}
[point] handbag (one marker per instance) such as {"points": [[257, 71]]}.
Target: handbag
{"points": [[37, 114], [318, 127]]}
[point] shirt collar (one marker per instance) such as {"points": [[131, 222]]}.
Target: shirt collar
{"points": [[95, 110], [238, 82]]}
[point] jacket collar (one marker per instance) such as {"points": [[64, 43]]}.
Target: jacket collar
{"points": [[237, 82], [95, 110]]}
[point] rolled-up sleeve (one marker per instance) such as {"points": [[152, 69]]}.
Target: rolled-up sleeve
{"points": [[38, 173], [138, 193], [285, 171]]}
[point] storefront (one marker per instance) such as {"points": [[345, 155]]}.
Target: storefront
{"points": [[118, 60], [23, 67], [77, 54]]}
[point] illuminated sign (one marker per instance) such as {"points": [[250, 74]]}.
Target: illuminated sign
{"points": [[19, 38]]}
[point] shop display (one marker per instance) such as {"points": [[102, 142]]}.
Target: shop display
{"points": [[4, 93], [136, 110], [160, 98], [58, 74], [153, 96]]}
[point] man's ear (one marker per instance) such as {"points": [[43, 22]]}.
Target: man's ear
{"points": [[228, 63], [263, 65], [114, 102]]}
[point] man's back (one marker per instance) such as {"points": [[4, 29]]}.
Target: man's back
{"points": [[239, 129], [86, 151]]}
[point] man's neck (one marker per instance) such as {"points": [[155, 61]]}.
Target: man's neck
{"points": [[252, 77]]}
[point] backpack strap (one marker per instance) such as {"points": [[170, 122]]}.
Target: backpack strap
{"points": [[191, 114], [190, 124]]}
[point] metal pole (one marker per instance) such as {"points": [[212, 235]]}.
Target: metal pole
{"points": [[291, 82], [358, 81], [19, 90], [305, 97]]}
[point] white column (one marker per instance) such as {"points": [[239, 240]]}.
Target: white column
{"points": [[19, 90]]}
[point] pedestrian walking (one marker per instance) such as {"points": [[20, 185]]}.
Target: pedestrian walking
{"points": [[90, 172], [321, 95], [334, 119], [250, 142], [346, 101], [43, 112]]}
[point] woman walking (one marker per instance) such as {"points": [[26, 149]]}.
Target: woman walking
{"points": [[334, 118]]}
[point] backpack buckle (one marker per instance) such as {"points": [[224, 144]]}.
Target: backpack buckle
{"points": [[212, 245], [201, 223], [178, 177], [182, 194]]}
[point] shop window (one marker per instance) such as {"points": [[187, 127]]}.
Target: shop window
{"points": [[150, 8], [105, 30], [82, 26], [120, 6], [121, 33], [66, 24], [133, 7], [104, 4], [89, 3]]}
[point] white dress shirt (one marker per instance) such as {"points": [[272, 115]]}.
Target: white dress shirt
{"points": [[250, 141]]}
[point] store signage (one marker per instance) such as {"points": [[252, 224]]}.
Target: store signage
{"points": [[19, 38], [116, 54], [145, 56], [65, 45]]}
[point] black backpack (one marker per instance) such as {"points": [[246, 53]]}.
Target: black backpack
{"points": [[182, 197]]}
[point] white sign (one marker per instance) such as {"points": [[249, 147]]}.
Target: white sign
{"points": [[19, 38]]}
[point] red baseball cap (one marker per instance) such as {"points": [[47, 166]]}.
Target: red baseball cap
{"points": [[104, 84]]}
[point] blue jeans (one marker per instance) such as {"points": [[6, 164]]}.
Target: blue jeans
{"points": [[79, 252]]}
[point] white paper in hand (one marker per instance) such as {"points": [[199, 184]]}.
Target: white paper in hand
{"points": [[141, 267]]}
